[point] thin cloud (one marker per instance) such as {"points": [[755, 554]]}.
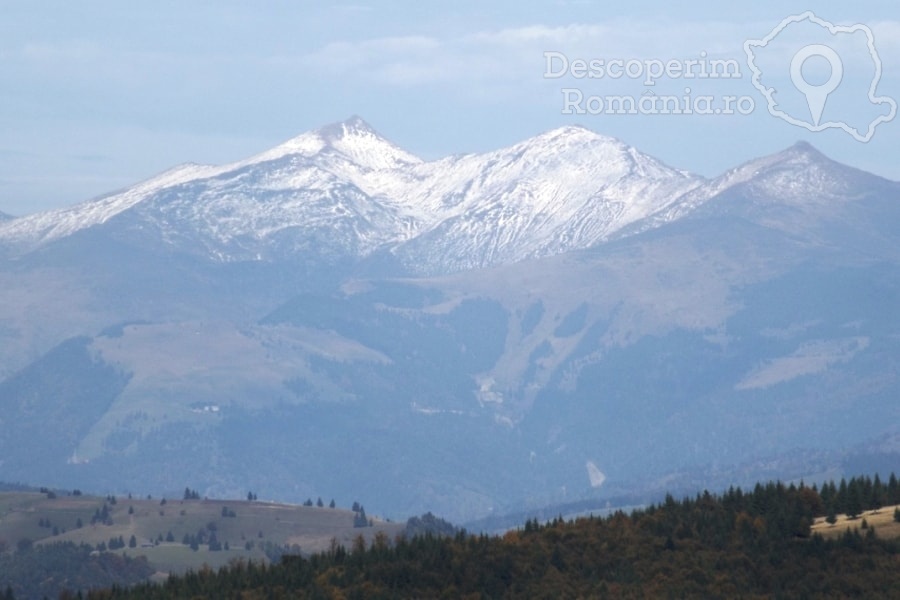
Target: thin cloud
{"points": [[516, 54]]}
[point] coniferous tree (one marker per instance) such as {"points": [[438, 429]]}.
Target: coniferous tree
{"points": [[879, 494], [893, 490], [831, 517], [854, 502]]}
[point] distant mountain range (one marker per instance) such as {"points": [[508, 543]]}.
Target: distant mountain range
{"points": [[564, 320], [346, 191]]}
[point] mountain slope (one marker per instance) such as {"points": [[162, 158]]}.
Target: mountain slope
{"points": [[637, 327], [566, 189], [799, 191], [305, 185], [345, 192]]}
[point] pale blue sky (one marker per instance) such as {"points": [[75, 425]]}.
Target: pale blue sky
{"points": [[99, 95]]}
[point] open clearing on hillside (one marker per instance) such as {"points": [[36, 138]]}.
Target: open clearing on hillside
{"points": [[882, 520], [249, 529]]}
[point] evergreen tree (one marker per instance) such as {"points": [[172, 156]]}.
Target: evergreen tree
{"points": [[854, 502], [879, 494], [893, 490], [360, 519]]}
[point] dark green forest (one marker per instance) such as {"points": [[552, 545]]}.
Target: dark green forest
{"points": [[740, 544], [39, 571]]}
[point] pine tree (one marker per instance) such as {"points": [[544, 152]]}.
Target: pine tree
{"points": [[893, 490], [854, 503], [879, 494]]}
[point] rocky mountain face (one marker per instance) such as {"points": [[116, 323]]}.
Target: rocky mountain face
{"points": [[565, 320]]}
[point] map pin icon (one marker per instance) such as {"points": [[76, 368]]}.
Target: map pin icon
{"points": [[816, 95]]}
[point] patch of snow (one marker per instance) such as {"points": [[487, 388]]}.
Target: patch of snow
{"points": [[595, 475]]}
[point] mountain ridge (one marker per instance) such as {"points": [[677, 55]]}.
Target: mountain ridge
{"points": [[563, 189], [561, 319]]}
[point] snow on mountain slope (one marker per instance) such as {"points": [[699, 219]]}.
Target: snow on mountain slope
{"points": [[28, 232], [346, 190], [308, 181], [796, 190], [565, 189]]}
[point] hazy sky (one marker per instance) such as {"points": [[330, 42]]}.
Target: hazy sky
{"points": [[99, 95]]}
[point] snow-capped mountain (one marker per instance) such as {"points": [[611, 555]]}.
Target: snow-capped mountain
{"points": [[566, 189], [798, 190], [726, 316], [305, 187], [343, 190]]}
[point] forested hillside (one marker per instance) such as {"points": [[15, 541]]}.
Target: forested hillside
{"points": [[755, 544]]}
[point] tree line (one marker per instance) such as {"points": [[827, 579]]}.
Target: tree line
{"points": [[741, 543]]}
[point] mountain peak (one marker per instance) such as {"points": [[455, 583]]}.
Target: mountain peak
{"points": [[579, 134], [354, 126], [353, 138], [803, 150], [359, 142]]}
